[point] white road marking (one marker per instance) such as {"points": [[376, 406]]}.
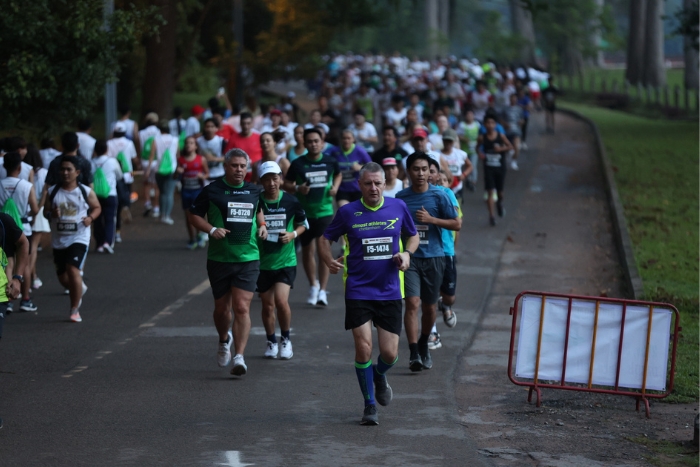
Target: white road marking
{"points": [[233, 459]]}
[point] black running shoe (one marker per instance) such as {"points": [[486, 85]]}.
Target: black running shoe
{"points": [[382, 390], [501, 211], [492, 221], [370, 417], [427, 360], [415, 363]]}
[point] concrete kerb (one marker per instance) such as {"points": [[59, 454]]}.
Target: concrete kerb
{"points": [[619, 222]]}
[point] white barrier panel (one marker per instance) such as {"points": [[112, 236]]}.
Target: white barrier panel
{"points": [[581, 339]]}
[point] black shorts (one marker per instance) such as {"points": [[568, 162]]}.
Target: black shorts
{"points": [[423, 279], [315, 230], [267, 279], [74, 256], [348, 196], [494, 178], [385, 314], [449, 279], [224, 276]]}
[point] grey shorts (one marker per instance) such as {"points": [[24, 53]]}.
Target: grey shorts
{"points": [[424, 278]]}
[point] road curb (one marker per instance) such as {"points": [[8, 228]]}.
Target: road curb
{"points": [[619, 222]]}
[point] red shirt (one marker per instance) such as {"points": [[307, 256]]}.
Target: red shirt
{"points": [[250, 144], [193, 168]]}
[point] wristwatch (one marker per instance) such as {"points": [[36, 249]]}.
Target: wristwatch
{"points": [[19, 278], [410, 253]]}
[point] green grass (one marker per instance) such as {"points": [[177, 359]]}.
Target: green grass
{"points": [[670, 453], [656, 171]]}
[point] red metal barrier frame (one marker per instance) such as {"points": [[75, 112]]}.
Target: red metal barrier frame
{"points": [[639, 396]]}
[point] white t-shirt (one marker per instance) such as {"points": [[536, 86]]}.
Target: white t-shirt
{"points": [[321, 124], [361, 134], [39, 180], [394, 118], [165, 142], [435, 140], [215, 147], [144, 135], [69, 228], [172, 125], [24, 171], [455, 160], [391, 192], [192, 126], [126, 147], [129, 129], [18, 190], [47, 155], [111, 169], [480, 102], [87, 145]]}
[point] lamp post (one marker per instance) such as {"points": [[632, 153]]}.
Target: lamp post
{"points": [[110, 88]]}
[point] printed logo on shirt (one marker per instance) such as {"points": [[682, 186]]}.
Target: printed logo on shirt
{"points": [[391, 224]]}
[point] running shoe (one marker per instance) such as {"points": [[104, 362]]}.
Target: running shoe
{"points": [[492, 222], [514, 165], [36, 284], [224, 354], [434, 341], [118, 237], [382, 390], [108, 248], [191, 245], [501, 210], [27, 305], [370, 417], [167, 220], [313, 295], [203, 239], [427, 360], [239, 366], [271, 350], [66, 292], [75, 316], [449, 317], [286, 349], [322, 298], [100, 249], [9, 308], [415, 363], [147, 208], [156, 212], [523, 146]]}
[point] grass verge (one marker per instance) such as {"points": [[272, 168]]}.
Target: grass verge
{"points": [[670, 453], [656, 171]]}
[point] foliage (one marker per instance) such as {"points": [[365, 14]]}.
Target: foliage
{"points": [[688, 19], [56, 57], [494, 43], [656, 163]]}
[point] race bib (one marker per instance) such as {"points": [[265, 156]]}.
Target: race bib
{"points": [[317, 179], [375, 249], [66, 228], [493, 160], [348, 175], [240, 212], [422, 234], [276, 223], [454, 168]]}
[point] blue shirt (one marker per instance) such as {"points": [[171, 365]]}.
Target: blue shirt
{"points": [[448, 236], [438, 204], [524, 102], [373, 237]]}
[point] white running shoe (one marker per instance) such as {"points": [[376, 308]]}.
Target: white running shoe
{"points": [[313, 295], [100, 249], [36, 284], [156, 212], [239, 366], [108, 248], [322, 298], [75, 316], [514, 165], [271, 350], [118, 237], [167, 220], [286, 349], [523, 146], [224, 354]]}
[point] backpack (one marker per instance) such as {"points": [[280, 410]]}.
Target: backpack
{"points": [[10, 207], [123, 162], [166, 164], [100, 182], [147, 148]]}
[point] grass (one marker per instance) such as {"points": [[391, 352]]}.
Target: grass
{"points": [[656, 171], [670, 453]]}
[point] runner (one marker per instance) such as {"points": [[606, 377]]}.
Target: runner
{"points": [[391, 172], [513, 120], [457, 160], [419, 143], [233, 221], [192, 126], [146, 137], [247, 140], [350, 158], [211, 146], [493, 152], [131, 128], [364, 132], [192, 171], [390, 148], [124, 151], [106, 173], [481, 99], [285, 220], [315, 178], [19, 145], [41, 225], [468, 131], [71, 207], [524, 102], [549, 97], [18, 199], [86, 143], [163, 162], [373, 227], [297, 150], [13, 244], [432, 210], [267, 142]]}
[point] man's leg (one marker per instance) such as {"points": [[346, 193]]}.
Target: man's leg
{"points": [[284, 311], [74, 284], [363, 367], [223, 318], [268, 313], [240, 300]]}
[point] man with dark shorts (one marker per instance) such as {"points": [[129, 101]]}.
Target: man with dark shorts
{"points": [[373, 227], [315, 178], [233, 217], [432, 211], [286, 220]]}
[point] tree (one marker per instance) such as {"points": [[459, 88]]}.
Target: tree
{"points": [[636, 42], [522, 26], [56, 57], [654, 67], [159, 79], [688, 18]]}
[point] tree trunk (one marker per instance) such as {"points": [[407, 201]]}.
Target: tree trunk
{"points": [[596, 35], [635, 42], [444, 20], [159, 79], [521, 22], [654, 69], [432, 27], [691, 56]]}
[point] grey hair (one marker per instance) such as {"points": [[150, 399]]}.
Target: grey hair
{"points": [[373, 168], [235, 152]]}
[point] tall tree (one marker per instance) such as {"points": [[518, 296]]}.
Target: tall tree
{"points": [[522, 24], [654, 69], [636, 42], [159, 78], [432, 26], [688, 19]]}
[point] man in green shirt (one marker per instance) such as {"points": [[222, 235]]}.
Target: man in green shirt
{"points": [[285, 221], [315, 178], [233, 218]]}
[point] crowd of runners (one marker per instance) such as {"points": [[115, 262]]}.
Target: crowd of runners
{"points": [[261, 184]]}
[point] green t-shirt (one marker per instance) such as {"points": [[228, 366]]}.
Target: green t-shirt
{"points": [[471, 131], [235, 209], [319, 176], [283, 215]]}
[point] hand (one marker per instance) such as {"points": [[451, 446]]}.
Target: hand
{"points": [[286, 237], [303, 189], [336, 265], [201, 176], [356, 166], [333, 191], [262, 231], [180, 170], [219, 233], [423, 216], [86, 223], [147, 173], [13, 288], [402, 260]]}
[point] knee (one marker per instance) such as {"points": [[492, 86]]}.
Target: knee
{"points": [[363, 351]]}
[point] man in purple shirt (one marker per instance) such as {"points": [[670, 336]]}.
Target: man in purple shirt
{"points": [[373, 227]]}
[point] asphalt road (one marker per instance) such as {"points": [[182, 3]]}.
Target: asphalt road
{"points": [[137, 382]]}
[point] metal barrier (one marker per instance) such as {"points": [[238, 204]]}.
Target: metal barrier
{"points": [[549, 341]]}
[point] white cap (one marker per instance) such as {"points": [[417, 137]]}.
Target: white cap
{"points": [[269, 167], [120, 127], [291, 94]]}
